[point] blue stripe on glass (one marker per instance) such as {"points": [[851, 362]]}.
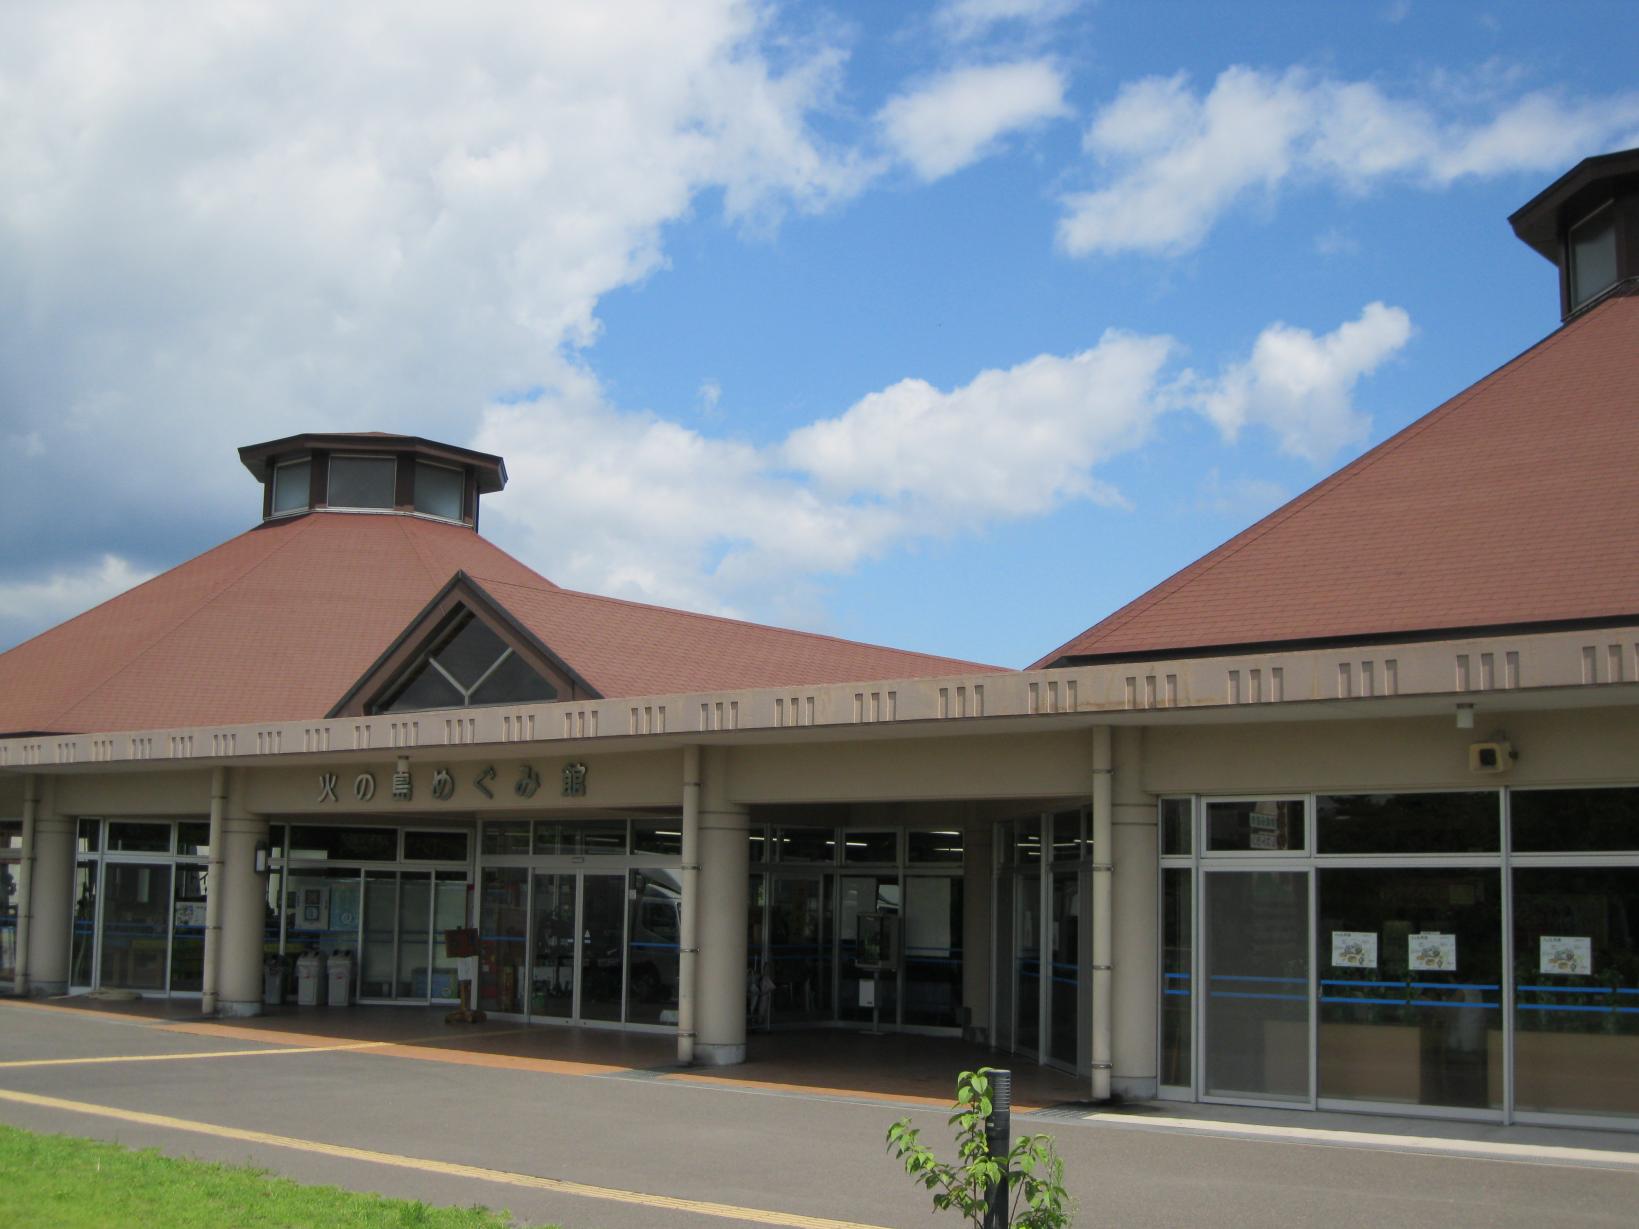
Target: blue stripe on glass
{"points": [[1291, 981], [1342, 998], [1566, 989], [1453, 985], [1244, 994]]}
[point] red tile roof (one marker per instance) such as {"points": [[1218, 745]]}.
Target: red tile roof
{"points": [[1513, 503], [277, 623]]}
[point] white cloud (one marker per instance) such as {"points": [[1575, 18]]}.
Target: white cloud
{"points": [[1301, 386], [223, 223], [964, 20], [47, 600], [1176, 159], [956, 118], [641, 506]]}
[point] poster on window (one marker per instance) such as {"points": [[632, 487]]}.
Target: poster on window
{"points": [[1354, 949], [1430, 951], [1567, 955]]}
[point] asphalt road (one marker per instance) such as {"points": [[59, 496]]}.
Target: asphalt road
{"points": [[763, 1151]]}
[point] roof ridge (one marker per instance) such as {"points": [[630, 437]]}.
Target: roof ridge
{"points": [[1236, 543], [770, 627], [302, 525], [415, 548]]}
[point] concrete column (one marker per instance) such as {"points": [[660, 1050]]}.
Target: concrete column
{"points": [[725, 868], [688, 941], [1135, 909], [51, 902], [1102, 914], [25, 881], [213, 898], [977, 894], [243, 912]]}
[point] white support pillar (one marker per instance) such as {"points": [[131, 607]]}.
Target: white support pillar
{"points": [[50, 900], [243, 915], [725, 869], [1102, 914], [213, 898], [1135, 908], [688, 942], [25, 881]]}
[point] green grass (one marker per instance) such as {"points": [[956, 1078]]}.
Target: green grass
{"points": [[57, 1182]]}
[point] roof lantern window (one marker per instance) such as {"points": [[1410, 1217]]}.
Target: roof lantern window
{"points": [[372, 471], [1587, 223]]}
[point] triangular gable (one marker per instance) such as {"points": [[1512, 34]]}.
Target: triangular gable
{"points": [[463, 648]]}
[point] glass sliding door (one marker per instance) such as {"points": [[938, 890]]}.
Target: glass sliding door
{"points": [[503, 937], [8, 921], [655, 906], [136, 928], [82, 944], [798, 950], [1064, 974], [1027, 963], [1177, 961], [378, 955], [552, 924], [413, 979], [933, 950], [603, 946], [449, 913], [1256, 1040], [188, 929]]}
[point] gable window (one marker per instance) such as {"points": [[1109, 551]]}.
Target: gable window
{"points": [[362, 482], [438, 490], [290, 486], [467, 665], [1593, 255]]}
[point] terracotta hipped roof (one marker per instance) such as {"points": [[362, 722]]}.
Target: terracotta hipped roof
{"points": [[1514, 503], [629, 649], [277, 623]]}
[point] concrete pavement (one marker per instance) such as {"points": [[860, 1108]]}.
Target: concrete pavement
{"points": [[645, 1148]]}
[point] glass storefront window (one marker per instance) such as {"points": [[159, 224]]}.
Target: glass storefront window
{"points": [[193, 840], [552, 977], [602, 836], [933, 950], [377, 962], [139, 838], [664, 838], [758, 840], [655, 900], [1027, 841], [806, 844], [449, 913], [1177, 828], [1064, 971], [1067, 836], [602, 948], [1468, 822], [1177, 959], [1574, 820], [934, 846], [422, 846], [507, 838], [11, 834], [870, 848], [1576, 990], [1411, 985], [327, 844], [1257, 826], [90, 835]]}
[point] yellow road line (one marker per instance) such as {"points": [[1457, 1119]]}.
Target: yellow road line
{"points": [[724, 1211], [169, 1058]]}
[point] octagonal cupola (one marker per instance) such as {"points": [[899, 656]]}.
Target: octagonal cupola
{"points": [[372, 472], [1587, 223]]}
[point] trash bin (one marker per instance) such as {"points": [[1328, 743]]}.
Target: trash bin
{"points": [[307, 979], [340, 970], [273, 981]]}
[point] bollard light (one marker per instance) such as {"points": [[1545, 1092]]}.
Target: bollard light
{"points": [[999, 1142]]}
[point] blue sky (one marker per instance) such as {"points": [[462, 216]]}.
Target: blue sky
{"points": [[950, 326]]}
